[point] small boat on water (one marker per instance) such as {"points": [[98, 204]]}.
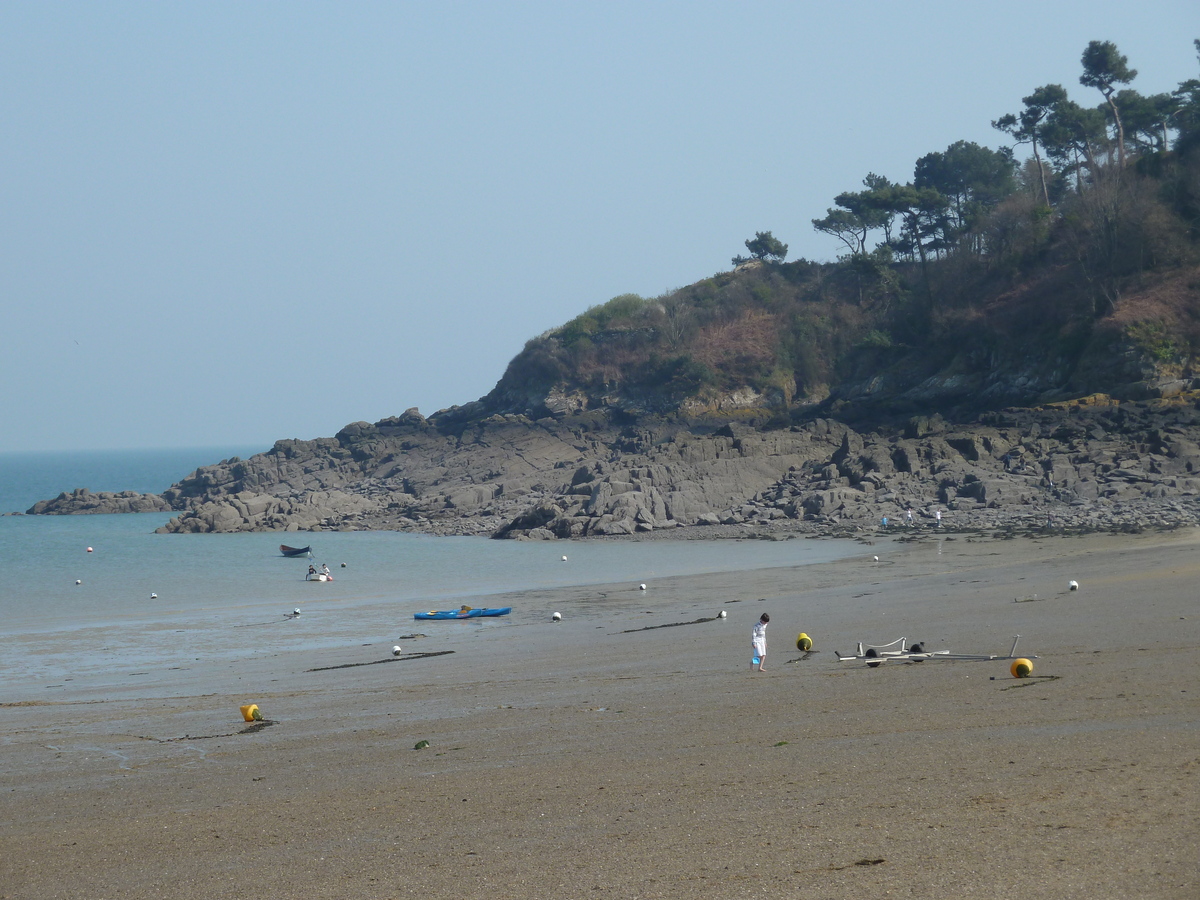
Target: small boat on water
{"points": [[318, 576], [295, 551], [463, 613]]}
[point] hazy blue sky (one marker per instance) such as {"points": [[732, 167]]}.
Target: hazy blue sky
{"points": [[228, 223]]}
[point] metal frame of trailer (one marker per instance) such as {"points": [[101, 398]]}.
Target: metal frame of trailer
{"points": [[877, 654]]}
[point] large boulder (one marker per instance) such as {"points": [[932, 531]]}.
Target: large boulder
{"points": [[81, 501]]}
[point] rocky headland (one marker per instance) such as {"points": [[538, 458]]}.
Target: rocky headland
{"points": [[1090, 464], [702, 412]]}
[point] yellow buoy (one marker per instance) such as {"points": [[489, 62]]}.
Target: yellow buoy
{"points": [[1021, 668], [803, 641], [250, 712]]}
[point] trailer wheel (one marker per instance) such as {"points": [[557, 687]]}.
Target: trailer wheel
{"points": [[873, 655]]}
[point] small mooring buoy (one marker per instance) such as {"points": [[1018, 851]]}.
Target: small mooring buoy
{"points": [[557, 617], [722, 614], [641, 587], [1021, 668], [397, 650], [803, 642], [250, 713], [153, 596], [1072, 585]]}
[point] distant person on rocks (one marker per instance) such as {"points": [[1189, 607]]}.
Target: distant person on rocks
{"points": [[909, 517], [938, 515], [758, 640]]}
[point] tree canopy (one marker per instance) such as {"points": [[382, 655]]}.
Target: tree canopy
{"points": [[763, 246], [1086, 188], [1104, 67], [1025, 126]]}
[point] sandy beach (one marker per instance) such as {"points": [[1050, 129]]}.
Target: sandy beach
{"points": [[588, 759]]}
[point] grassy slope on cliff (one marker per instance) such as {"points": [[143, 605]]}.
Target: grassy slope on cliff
{"points": [[799, 334]]}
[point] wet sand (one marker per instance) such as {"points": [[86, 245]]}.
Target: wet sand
{"points": [[575, 760]]}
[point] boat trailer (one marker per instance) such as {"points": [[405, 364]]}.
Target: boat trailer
{"points": [[901, 651]]}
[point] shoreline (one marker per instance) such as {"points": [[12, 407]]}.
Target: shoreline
{"points": [[575, 759], [1131, 517]]}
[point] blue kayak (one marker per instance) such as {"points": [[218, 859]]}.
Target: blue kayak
{"points": [[460, 614]]}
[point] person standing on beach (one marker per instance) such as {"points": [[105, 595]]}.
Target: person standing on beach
{"points": [[938, 515], [758, 639]]}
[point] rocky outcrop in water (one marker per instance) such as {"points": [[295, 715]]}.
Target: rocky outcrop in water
{"points": [[81, 501], [1094, 463]]}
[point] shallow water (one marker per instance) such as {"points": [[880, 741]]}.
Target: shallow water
{"points": [[141, 604], [149, 603]]}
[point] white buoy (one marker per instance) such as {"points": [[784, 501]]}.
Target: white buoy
{"points": [[396, 651], [1072, 585], [877, 559], [564, 559], [722, 614], [78, 581], [89, 549], [557, 617], [641, 587], [153, 596], [343, 565], [296, 611]]}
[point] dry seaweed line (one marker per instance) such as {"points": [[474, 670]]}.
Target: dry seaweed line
{"points": [[253, 728], [1030, 680], [861, 862], [376, 662], [699, 621], [807, 654]]}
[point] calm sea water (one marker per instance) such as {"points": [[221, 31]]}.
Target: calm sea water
{"points": [[142, 599], [26, 478]]}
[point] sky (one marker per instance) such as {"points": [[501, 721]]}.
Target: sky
{"points": [[232, 223]]}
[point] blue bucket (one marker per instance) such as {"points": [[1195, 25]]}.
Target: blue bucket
{"points": [[754, 660]]}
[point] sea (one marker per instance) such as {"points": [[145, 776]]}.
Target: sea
{"points": [[103, 596]]}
